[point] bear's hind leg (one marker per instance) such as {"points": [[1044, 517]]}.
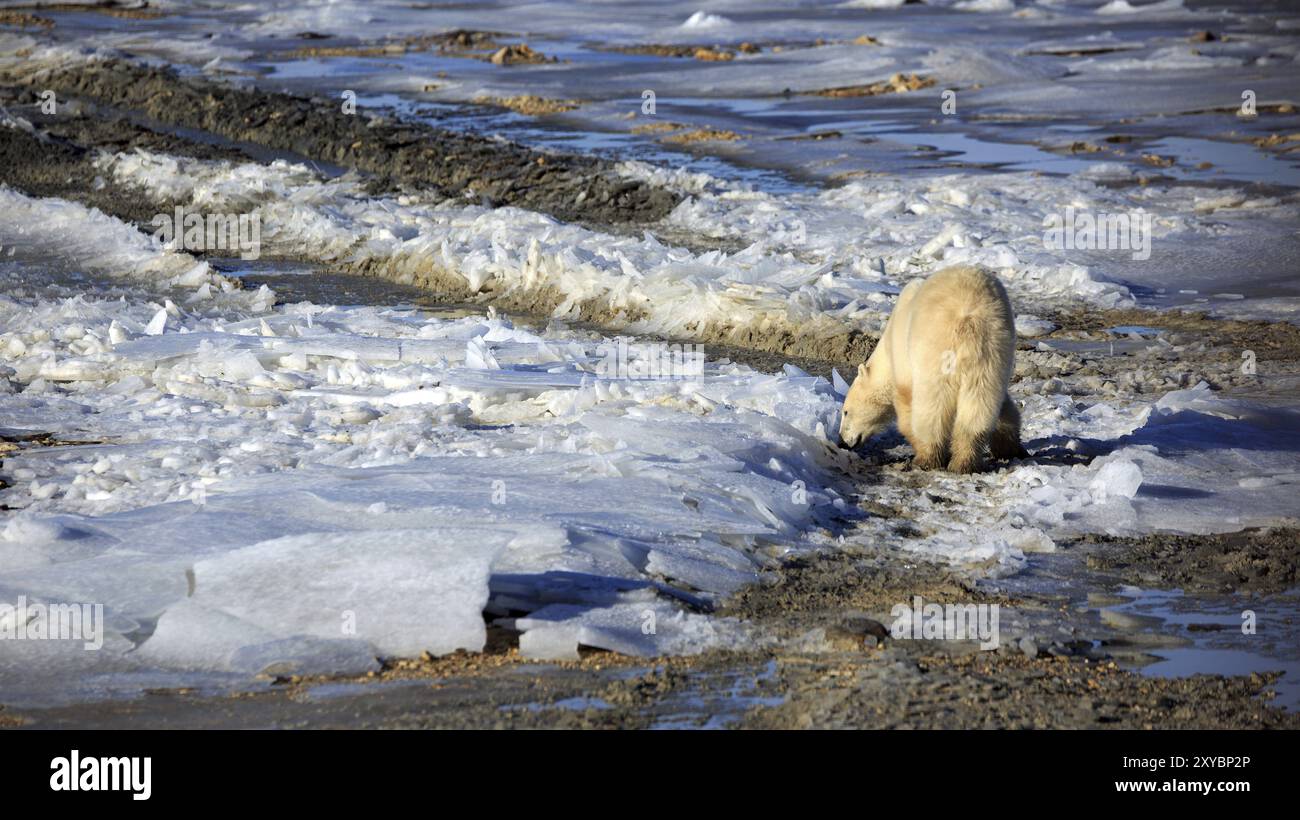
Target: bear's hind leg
{"points": [[967, 452], [1004, 442]]}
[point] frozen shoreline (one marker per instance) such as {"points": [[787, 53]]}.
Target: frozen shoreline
{"points": [[345, 385]]}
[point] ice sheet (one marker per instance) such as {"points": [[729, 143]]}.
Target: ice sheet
{"points": [[251, 473]]}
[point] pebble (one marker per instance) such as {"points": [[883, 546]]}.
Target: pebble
{"points": [[1028, 646]]}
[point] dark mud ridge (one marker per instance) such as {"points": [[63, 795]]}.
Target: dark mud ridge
{"points": [[569, 187], [104, 114], [1250, 561], [57, 160]]}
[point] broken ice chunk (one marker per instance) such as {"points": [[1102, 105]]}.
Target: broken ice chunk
{"points": [[403, 591], [1117, 479], [157, 324], [643, 629], [1028, 326]]}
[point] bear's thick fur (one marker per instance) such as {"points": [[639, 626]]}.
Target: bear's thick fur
{"points": [[941, 370]]}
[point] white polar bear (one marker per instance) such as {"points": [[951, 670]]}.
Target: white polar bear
{"points": [[941, 369]]}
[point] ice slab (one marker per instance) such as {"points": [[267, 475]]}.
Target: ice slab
{"points": [[641, 629], [396, 593]]}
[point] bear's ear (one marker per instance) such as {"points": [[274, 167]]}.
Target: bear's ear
{"points": [[863, 369]]}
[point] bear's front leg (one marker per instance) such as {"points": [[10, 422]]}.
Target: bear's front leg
{"points": [[932, 405], [929, 455]]}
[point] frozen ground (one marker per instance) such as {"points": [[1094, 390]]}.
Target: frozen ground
{"points": [[253, 486], [1063, 69], [233, 436]]}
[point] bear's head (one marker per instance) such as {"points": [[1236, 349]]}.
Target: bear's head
{"points": [[868, 407]]}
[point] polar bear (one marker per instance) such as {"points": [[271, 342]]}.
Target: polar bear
{"points": [[941, 370]]}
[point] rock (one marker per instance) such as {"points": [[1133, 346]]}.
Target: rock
{"points": [[857, 632], [866, 626], [508, 55], [1028, 647]]}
